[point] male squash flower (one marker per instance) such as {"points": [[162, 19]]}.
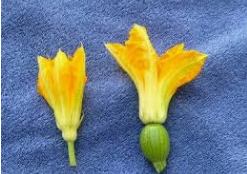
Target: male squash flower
{"points": [[156, 79], [61, 82]]}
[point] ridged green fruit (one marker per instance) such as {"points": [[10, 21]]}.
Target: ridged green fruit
{"points": [[155, 145]]}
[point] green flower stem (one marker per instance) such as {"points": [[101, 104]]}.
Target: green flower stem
{"points": [[71, 151]]}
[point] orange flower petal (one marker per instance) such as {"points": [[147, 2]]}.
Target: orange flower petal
{"points": [[136, 56], [45, 79], [180, 68], [156, 78], [61, 82], [177, 49]]}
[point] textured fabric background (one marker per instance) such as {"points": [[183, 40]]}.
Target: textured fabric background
{"points": [[207, 119]]}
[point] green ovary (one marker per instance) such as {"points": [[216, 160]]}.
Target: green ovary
{"points": [[155, 145]]}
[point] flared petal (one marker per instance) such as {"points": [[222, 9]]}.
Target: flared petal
{"points": [[136, 56], [177, 49], [178, 68], [139, 46], [156, 78]]}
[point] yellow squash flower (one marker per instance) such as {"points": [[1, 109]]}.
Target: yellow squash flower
{"points": [[61, 82], [155, 77]]}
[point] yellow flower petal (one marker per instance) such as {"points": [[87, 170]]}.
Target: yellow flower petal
{"points": [[156, 78], [79, 79], [177, 49], [45, 77], [61, 82], [180, 68], [136, 56]]}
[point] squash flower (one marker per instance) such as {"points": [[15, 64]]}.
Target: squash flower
{"points": [[156, 78], [61, 82]]}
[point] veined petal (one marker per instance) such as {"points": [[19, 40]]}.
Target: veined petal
{"points": [[177, 49], [79, 80], [156, 78], [119, 52], [62, 76], [179, 68], [139, 45], [78, 61], [136, 56], [46, 85], [61, 82]]}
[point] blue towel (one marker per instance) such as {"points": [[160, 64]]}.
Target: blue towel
{"points": [[207, 119]]}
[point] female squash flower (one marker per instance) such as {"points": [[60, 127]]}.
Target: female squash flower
{"points": [[156, 79], [61, 82]]}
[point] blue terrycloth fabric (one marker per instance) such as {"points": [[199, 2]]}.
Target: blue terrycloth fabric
{"points": [[207, 119]]}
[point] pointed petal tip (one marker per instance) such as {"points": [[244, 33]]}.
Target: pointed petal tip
{"points": [[79, 56], [203, 56], [39, 58], [81, 44], [181, 45], [43, 61], [80, 49], [109, 46], [106, 44], [61, 56], [199, 54], [59, 52], [138, 26], [113, 47]]}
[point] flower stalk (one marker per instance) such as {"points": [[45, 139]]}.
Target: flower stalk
{"points": [[71, 152], [156, 79]]}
